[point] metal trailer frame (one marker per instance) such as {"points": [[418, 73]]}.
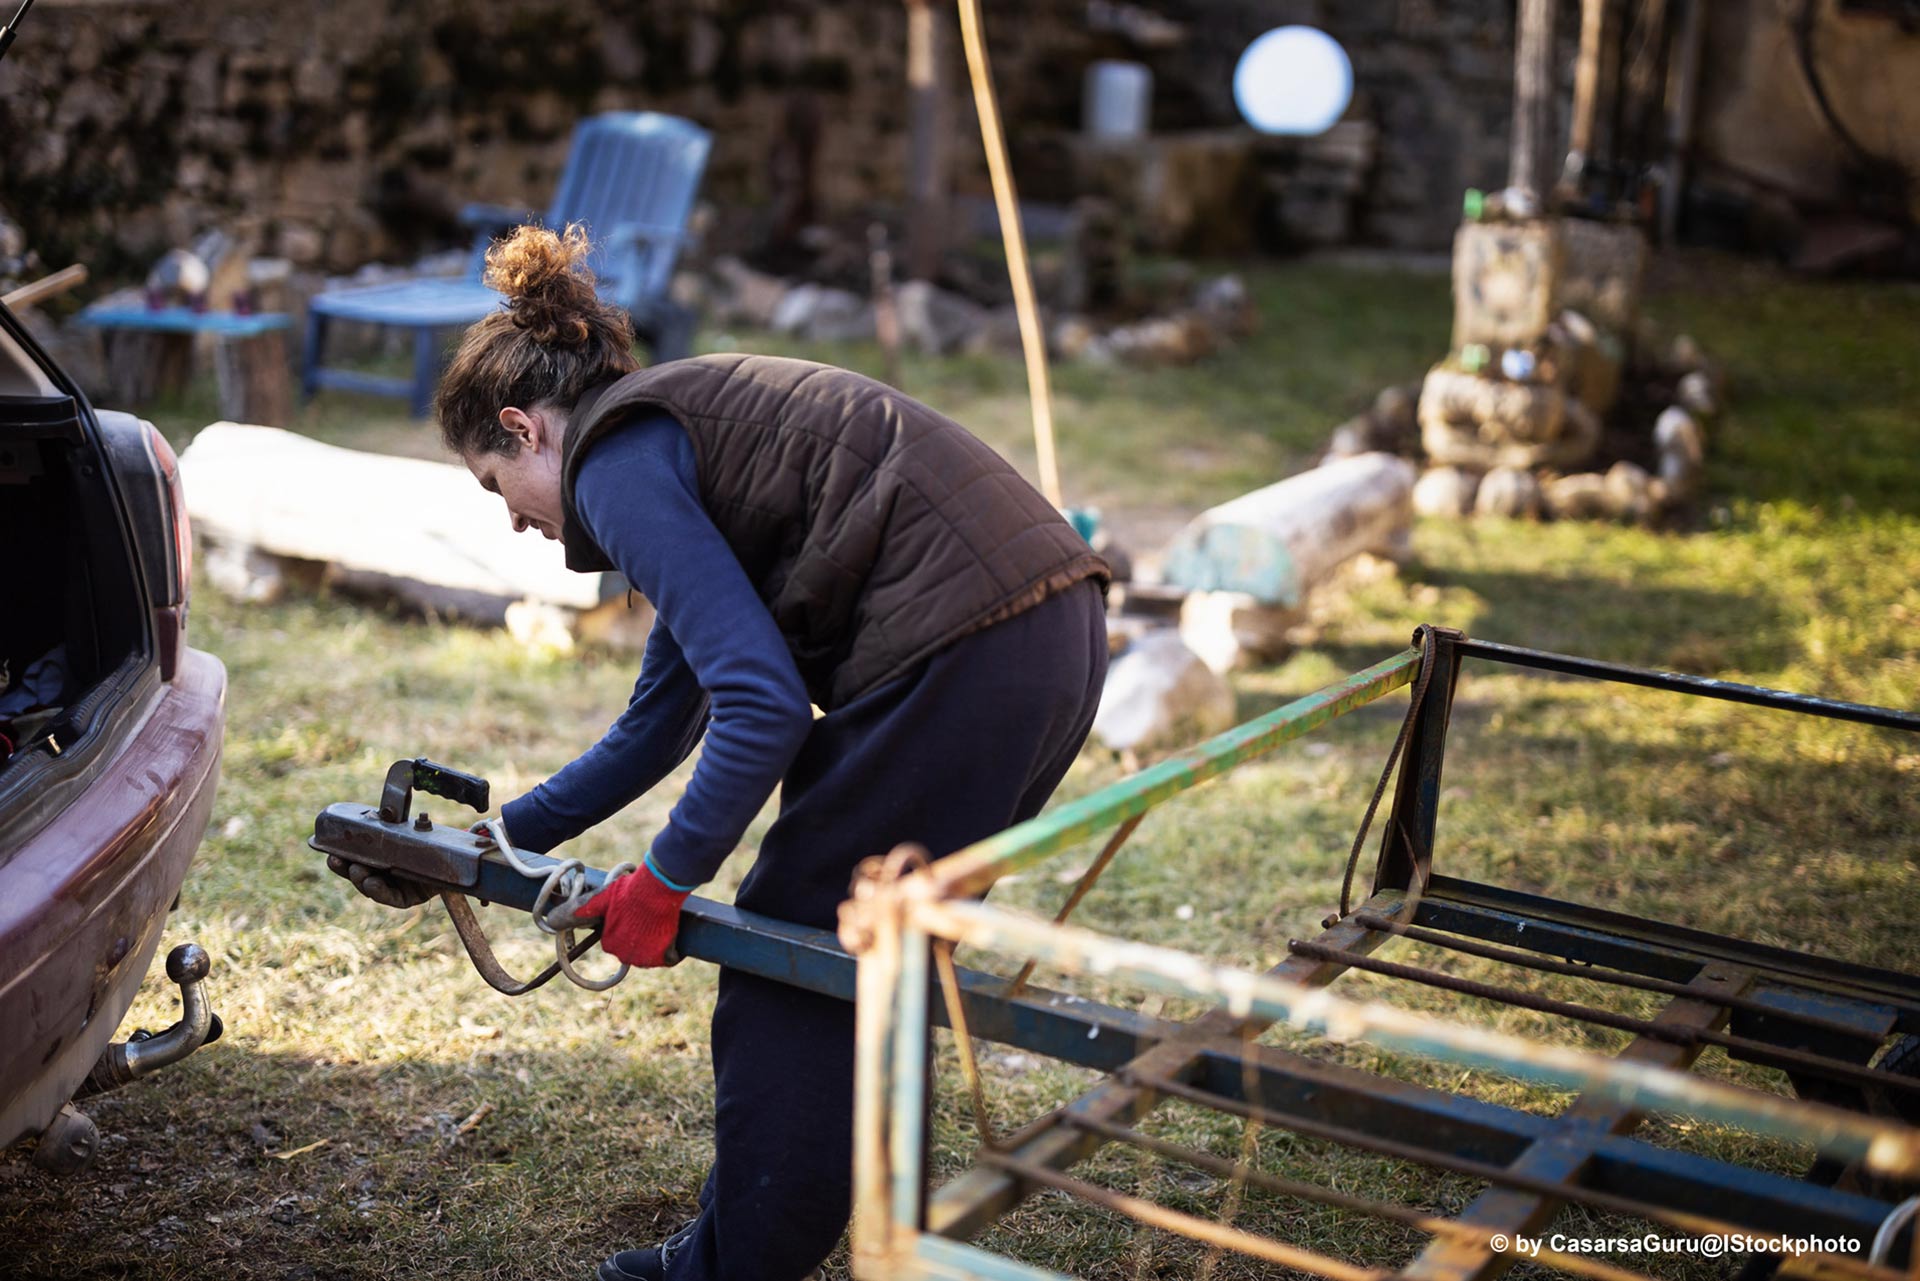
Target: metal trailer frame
{"points": [[1820, 1020]]}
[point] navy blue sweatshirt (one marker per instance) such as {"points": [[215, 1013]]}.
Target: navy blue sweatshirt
{"points": [[715, 661]]}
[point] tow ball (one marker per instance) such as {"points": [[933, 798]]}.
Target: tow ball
{"points": [[71, 1140], [457, 863]]}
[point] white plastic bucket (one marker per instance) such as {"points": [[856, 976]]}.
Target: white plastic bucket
{"points": [[1118, 96]]}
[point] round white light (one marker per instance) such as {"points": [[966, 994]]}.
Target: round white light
{"points": [[1293, 80]]}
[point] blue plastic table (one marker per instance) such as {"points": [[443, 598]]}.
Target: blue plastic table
{"points": [[255, 382], [184, 320]]}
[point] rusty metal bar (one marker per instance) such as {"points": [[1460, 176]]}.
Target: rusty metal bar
{"points": [[1362, 1141], [1599, 974], [1187, 1225], [1760, 1052], [1651, 947], [1086, 883], [877, 1239], [1406, 846], [1488, 1171], [907, 1130], [1563, 1154], [969, 1203], [1885, 1146], [1401, 1214], [963, 1041], [934, 1258]]}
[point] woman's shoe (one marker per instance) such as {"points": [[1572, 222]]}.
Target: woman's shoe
{"points": [[649, 1264]]}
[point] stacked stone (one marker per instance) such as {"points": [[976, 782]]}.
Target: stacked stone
{"points": [[1511, 420]]}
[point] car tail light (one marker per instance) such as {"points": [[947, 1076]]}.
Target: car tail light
{"points": [[156, 504], [170, 615]]}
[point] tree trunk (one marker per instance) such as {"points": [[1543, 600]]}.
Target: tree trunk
{"points": [[143, 365], [927, 141], [1589, 87], [1530, 158], [1277, 543], [1682, 90], [406, 518], [256, 385]]}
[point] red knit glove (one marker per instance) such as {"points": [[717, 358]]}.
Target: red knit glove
{"points": [[639, 917]]}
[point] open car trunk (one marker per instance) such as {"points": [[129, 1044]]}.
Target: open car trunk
{"points": [[75, 646]]}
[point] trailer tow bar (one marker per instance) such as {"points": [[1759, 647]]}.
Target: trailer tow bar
{"points": [[456, 862]]}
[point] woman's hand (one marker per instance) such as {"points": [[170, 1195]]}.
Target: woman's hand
{"points": [[639, 917], [378, 885]]}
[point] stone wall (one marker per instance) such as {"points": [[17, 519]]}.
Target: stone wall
{"points": [[351, 131]]}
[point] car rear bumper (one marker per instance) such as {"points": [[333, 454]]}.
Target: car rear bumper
{"points": [[83, 902]]}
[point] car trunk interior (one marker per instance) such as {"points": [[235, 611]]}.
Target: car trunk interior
{"points": [[73, 636]]}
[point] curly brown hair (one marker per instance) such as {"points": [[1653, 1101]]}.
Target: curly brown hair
{"points": [[551, 341]]}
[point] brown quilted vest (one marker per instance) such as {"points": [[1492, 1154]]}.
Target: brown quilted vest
{"points": [[875, 529]]}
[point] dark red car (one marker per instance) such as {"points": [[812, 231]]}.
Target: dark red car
{"points": [[110, 739]]}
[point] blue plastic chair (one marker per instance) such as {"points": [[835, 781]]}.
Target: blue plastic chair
{"points": [[631, 178]]}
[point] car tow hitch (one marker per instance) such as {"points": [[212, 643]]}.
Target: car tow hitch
{"points": [[70, 1142], [146, 1052]]}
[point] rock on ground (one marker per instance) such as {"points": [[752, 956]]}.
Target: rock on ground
{"points": [[1160, 694], [1683, 450], [1445, 491], [1231, 629], [1581, 496], [1508, 491]]}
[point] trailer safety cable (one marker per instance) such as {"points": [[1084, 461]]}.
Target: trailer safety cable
{"points": [[564, 887]]}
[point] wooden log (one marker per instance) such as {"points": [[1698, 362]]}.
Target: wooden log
{"points": [[1683, 90], [1533, 97], [145, 364], [38, 291], [927, 151], [370, 514], [1582, 131], [256, 384], [1277, 543], [1231, 630], [1638, 137]]}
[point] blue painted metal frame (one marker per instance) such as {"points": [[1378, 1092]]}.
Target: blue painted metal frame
{"points": [[185, 320]]}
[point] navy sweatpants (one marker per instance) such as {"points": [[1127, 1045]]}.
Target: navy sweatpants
{"points": [[973, 740]]}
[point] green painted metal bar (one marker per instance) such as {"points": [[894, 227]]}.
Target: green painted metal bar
{"points": [[974, 869], [1885, 1146], [907, 1133]]}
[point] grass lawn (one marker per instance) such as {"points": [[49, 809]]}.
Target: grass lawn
{"points": [[322, 1138]]}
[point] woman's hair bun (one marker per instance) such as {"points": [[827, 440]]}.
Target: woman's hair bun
{"points": [[548, 285]]}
